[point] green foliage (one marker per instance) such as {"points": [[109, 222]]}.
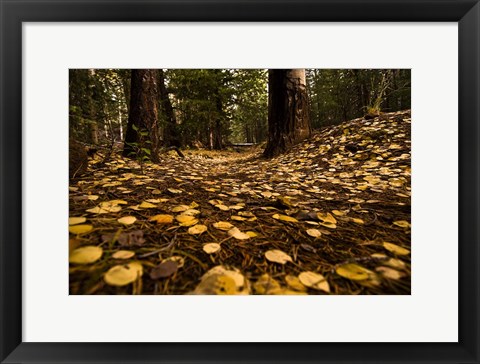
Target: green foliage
{"points": [[337, 95]]}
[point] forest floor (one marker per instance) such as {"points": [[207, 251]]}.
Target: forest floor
{"points": [[332, 216]]}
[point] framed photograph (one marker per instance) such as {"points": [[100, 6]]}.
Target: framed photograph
{"points": [[243, 181]]}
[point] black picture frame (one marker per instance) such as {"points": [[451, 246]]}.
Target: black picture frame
{"points": [[14, 12]]}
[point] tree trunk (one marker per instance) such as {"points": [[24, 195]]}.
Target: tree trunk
{"points": [[170, 135], [142, 127], [288, 117], [217, 137]]}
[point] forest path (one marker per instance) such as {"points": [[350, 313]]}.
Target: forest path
{"points": [[331, 216]]}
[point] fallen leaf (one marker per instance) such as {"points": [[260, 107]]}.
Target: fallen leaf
{"points": [[266, 285], [127, 220], [220, 280], [237, 234], [284, 218], [395, 249], [389, 273], [278, 256], [121, 275], [314, 280], [223, 225], [197, 229], [358, 221], [186, 220], [76, 220], [80, 229], [85, 255], [147, 205], [164, 269], [180, 208], [162, 219], [174, 191], [211, 248], [123, 254], [314, 233], [326, 218], [132, 238], [354, 272], [295, 283], [402, 223]]}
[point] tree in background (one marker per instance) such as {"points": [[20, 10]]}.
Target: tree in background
{"points": [[171, 135], [250, 108], [212, 108], [97, 105], [338, 95], [142, 136], [288, 114]]}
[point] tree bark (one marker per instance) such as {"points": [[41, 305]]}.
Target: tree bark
{"points": [[288, 116], [142, 127]]}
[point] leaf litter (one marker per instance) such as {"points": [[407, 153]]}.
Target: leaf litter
{"points": [[208, 223]]}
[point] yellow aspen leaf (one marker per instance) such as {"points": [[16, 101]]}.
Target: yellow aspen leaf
{"points": [[251, 234], [98, 210], [358, 221], [174, 191], [402, 223], [225, 285], [123, 254], [389, 273], [114, 203], [147, 205], [80, 229], [266, 285], [266, 194], [328, 225], [395, 263], [191, 212], [238, 278], [223, 225], [222, 207], [213, 282], [180, 208], [85, 255], [127, 220], [354, 272], [211, 248], [76, 220], [194, 205], [121, 275], [92, 197], [327, 218], [339, 213], [277, 256], [289, 292], [197, 229], [186, 220], [284, 218], [162, 219], [314, 233], [395, 249], [238, 218], [314, 280], [295, 283], [237, 234], [154, 200]]}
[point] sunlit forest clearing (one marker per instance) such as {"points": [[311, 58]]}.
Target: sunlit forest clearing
{"points": [[230, 181]]}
